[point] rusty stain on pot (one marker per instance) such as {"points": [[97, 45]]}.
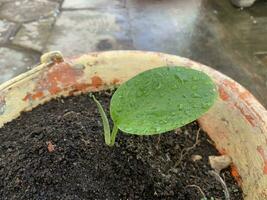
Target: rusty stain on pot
{"points": [[222, 151], [96, 81], [250, 114], [263, 154], [247, 115], [56, 79], [223, 95], [2, 104], [37, 95], [115, 81], [235, 174], [245, 96], [79, 87]]}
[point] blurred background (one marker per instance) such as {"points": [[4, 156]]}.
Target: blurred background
{"points": [[231, 39]]}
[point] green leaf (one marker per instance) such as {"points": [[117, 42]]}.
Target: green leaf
{"points": [[162, 99]]}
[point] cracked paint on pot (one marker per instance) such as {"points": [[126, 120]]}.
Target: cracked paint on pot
{"points": [[115, 81], [56, 79], [229, 87], [96, 81], [223, 94], [235, 174]]}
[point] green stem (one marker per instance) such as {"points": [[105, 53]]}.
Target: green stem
{"points": [[104, 120], [109, 138], [113, 134]]}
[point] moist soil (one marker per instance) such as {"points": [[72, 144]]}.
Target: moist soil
{"points": [[57, 151]]}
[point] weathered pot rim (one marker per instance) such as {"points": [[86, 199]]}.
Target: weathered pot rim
{"points": [[237, 122]]}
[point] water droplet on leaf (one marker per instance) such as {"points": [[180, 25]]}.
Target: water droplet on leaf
{"points": [[158, 86], [194, 87], [179, 78], [195, 95], [180, 106], [195, 78]]}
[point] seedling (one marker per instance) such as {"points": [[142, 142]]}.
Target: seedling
{"points": [[157, 101]]}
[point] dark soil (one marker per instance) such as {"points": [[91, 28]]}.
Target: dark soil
{"points": [[57, 151]]}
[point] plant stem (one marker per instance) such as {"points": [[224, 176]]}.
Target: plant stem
{"points": [[105, 122], [113, 135], [109, 138]]}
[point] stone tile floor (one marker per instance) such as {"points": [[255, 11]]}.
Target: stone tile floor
{"points": [[229, 39]]}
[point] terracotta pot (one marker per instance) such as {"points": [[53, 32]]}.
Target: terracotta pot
{"points": [[237, 123]]}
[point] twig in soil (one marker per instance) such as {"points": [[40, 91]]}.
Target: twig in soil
{"points": [[199, 189], [157, 145], [109, 93], [86, 142], [217, 176], [185, 151]]}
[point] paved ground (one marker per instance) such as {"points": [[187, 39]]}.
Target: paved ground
{"points": [[215, 33]]}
